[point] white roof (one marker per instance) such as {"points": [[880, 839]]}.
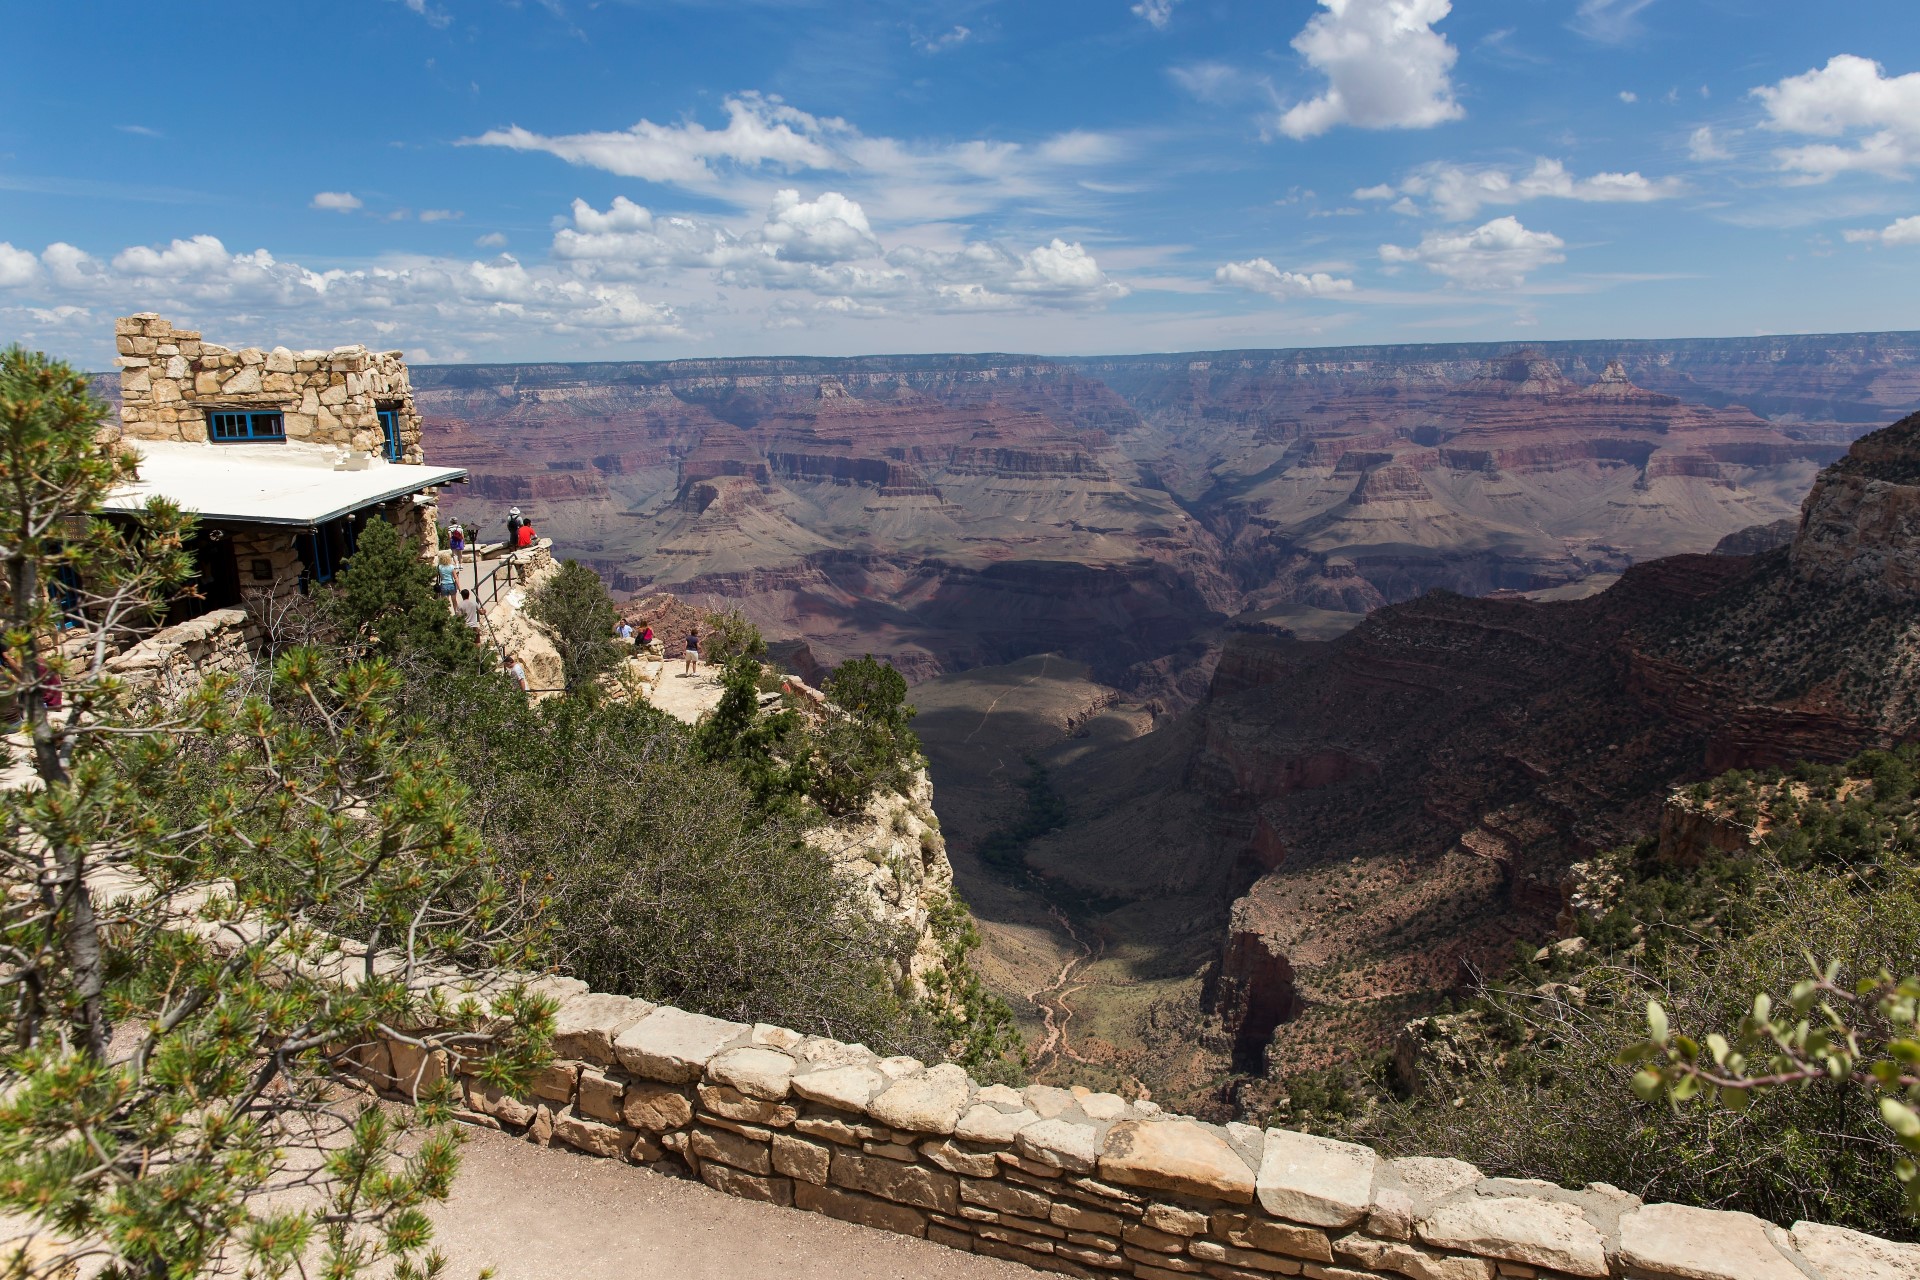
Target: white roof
{"points": [[287, 483]]}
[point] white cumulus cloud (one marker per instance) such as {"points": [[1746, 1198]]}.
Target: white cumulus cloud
{"points": [[335, 201], [1904, 232], [1386, 67], [1458, 192], [1876, 115], [1261, 276], [17, 267], [1495, 255], [829, 229]]}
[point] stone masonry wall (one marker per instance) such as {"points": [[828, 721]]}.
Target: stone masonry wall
{"points": [[173, 661], [1083, 1183], [170, 378]]}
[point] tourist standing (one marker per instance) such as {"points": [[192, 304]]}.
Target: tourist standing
{"points": [[513, 527], [456, 539], [470, 608], [693, 653], [517, 672], [449, 577]]}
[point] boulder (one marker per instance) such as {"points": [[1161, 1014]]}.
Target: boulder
{"points": [[1838, 1253]]}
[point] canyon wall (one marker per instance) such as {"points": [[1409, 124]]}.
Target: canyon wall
{"points": [[954, 511], [1403, 803]]}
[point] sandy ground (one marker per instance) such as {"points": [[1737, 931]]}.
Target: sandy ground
{"points": [[536, 1214]]}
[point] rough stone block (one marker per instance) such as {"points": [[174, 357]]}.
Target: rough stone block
{"points": [[416, 1069], [846, 1087], [1175, 1221], [730, 1148], [798, 1158], [1143, 1236], [1080, 1218], [557, 1081], [1161, 1263], [747, 1186], [849, 1133], [1284, 1237], [501, 1106], [1541, 1233], [950, 1238], [674, 1046], [755, 1071], [1005, 1199], [930, 1102], [734, 1105], [598, 1096], [1680, 1242], [954, 1158], [1073, 1147], [589, 1136], [891, 1180], [990, 1124], [1246, 1259], [1406, 1260], [655, 1107], [1837, 1251], [1316, 1180], [850, 1206], [891, 1151], [587, 1025], [1181, 1156]]}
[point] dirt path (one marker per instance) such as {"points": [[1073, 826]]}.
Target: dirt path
{"points": [[534, 1214]]}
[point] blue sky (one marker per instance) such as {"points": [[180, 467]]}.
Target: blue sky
{"points": [[559, 179]]}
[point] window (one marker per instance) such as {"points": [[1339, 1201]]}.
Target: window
{"points": [[236, 426], [390, 428], [323, 551]]}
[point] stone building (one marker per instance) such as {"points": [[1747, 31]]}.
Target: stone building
{"points": [[283, 455]]}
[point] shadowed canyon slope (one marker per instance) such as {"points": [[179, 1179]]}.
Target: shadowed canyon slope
{"points": [[1405, 802], [955, 511]]}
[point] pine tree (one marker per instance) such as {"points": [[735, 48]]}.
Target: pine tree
{"points": [[575, 607], [255, 889]]}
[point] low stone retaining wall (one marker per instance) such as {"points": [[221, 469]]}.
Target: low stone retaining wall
{"points": [[176, 659], [1084, 1183]]}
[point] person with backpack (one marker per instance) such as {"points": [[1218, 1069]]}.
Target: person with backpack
{"points": [[456, 539], [693, 653], [514, 522]]}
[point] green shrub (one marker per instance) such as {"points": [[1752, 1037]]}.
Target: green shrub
{"points": [[575, 608]]}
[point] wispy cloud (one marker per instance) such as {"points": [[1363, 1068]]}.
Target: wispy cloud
{"points": [[140, 130], [1609, 21], [941, 43], [1458, 192], [435, 17]]}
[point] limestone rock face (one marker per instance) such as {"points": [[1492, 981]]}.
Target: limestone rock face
{"points": [[1860, 525], [896, 857]]}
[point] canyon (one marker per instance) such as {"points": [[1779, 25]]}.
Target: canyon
{"points": [[952, 512], [1336, 659]]}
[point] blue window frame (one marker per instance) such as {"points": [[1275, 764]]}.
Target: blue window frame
{"points": [[236, 426], [390, 429]]}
